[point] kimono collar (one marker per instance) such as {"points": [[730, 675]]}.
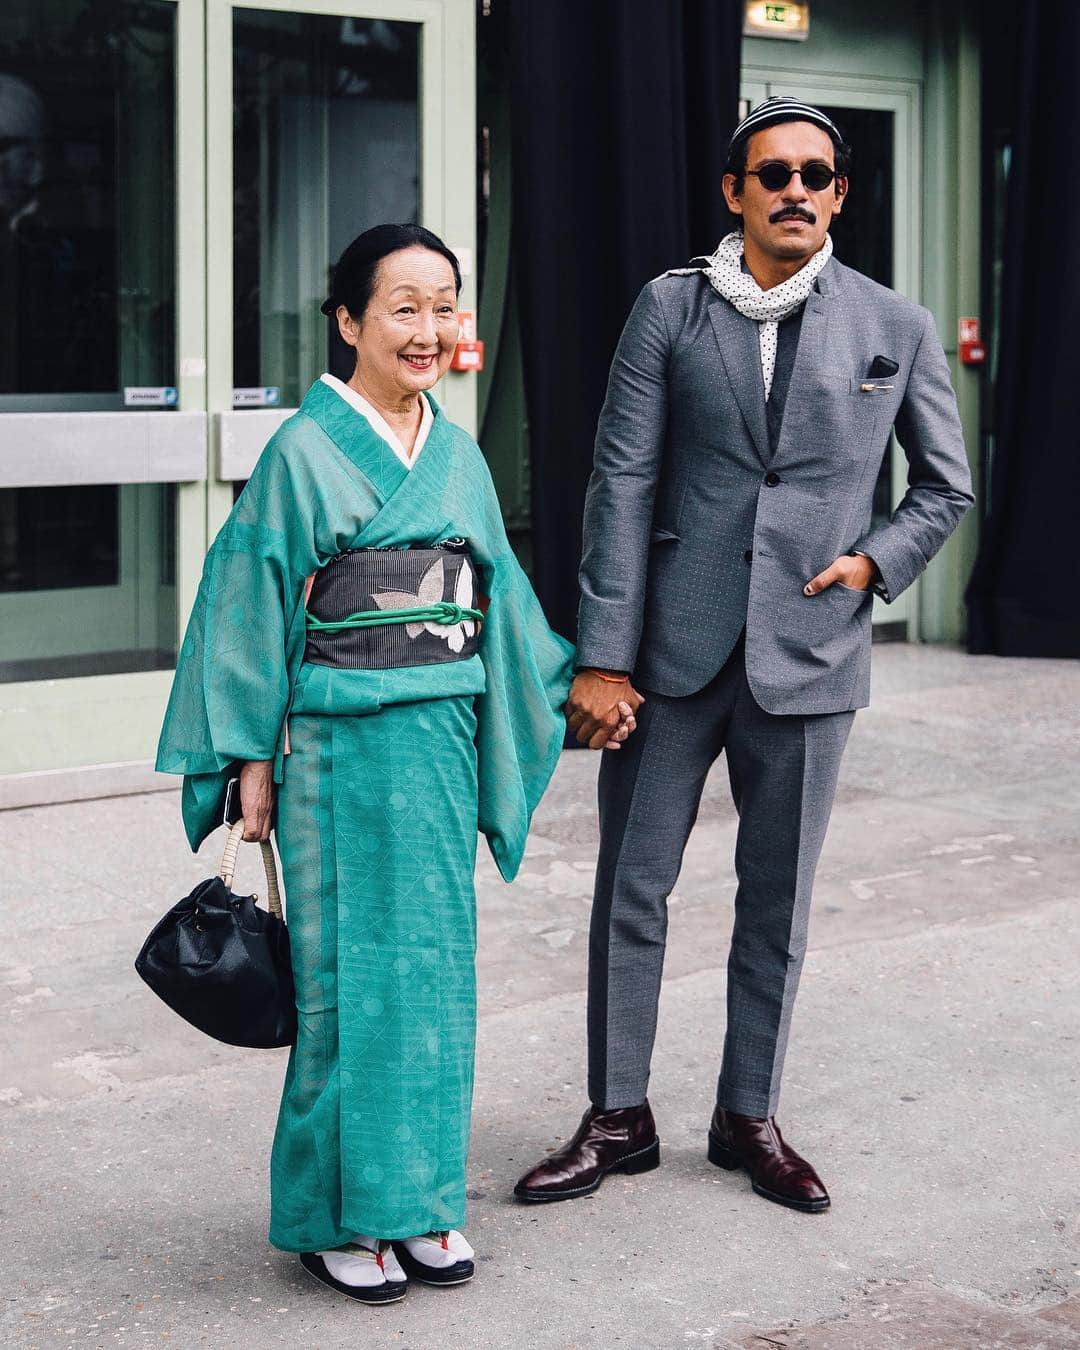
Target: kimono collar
{"points": [[379, 424]]}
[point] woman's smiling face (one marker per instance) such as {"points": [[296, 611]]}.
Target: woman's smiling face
{"points": [[406, 337]]}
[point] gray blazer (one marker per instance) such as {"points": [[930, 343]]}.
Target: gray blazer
{"points": [[694, 530]]}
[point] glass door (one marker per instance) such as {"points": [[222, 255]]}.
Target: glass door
{"points": [[879, 230], [102, 431], [175, 178], [325, 118]]}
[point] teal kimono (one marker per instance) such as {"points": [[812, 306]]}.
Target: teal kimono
{"points": [[388, 776]]}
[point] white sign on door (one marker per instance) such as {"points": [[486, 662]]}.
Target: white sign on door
{"points": [[263, 397], [150, 396]]}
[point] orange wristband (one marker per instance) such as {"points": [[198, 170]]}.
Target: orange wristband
{"points": [[610, 679]]}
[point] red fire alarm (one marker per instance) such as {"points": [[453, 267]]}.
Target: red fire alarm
{"points": [[972, 347], [469, 353]]}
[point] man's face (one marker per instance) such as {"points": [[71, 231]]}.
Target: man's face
{"points": [[790, 223], [22, 129], [22, 167]]}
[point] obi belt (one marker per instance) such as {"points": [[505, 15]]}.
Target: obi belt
{"points": [[384, 608]]}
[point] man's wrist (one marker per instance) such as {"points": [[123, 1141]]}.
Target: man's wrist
{"points": [[611, 676]]}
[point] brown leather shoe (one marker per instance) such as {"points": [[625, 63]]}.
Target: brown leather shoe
{"points": [[776, 1170], [606, 1141]]}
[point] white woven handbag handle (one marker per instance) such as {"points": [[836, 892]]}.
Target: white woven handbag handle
{"points": [[228, 866]]}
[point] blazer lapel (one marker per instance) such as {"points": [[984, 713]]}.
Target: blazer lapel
{"points": [[813, 345], [737, 338]]}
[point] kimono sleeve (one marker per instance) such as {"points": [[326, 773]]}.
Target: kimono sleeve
{"points": [[521, 724], [231, 690]]}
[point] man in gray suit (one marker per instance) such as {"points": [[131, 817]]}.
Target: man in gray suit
{"points": [[730, 559]]}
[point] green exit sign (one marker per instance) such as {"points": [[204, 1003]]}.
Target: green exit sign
{"points": [[790, 21]]}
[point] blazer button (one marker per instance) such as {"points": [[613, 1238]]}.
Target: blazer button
{"points": [[749, 555], [771, 479]]}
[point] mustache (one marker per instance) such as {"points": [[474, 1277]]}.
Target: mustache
{"points": [[792, 213]]}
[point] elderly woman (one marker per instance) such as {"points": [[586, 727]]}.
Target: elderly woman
{"points": [[365, 646]]}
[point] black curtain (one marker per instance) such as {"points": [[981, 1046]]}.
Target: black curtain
{"points": [[1024, 596], [621, 114]]}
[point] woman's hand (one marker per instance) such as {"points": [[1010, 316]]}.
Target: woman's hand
{"points": [[257, 798], [627, 724]]}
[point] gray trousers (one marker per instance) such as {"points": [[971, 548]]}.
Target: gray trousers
{"points": [[783, 772]]}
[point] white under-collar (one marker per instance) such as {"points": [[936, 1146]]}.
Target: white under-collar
{"points": [[379, 424]]}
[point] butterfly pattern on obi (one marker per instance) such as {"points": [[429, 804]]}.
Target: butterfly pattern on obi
{"points": [[430, 592]]}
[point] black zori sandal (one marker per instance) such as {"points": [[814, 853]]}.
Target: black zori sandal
{"points": [[457, 1272], [386, 1291]]}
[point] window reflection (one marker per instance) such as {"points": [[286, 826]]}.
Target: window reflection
{"points": [[86, 191], [87, 306], [325, 145], [59, 537], [87, 580]]}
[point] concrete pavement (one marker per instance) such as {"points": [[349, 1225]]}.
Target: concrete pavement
{"points": [[932, 1075]]}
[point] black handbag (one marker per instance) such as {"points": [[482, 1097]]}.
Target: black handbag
{"points": [[223, 963]]}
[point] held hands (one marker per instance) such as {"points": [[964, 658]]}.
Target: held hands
{"points": [[857, 572], [257, 798], [600, 711]]}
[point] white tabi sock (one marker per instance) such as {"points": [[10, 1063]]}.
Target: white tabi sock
{"points": [[361, 1265], [429, 1250]]}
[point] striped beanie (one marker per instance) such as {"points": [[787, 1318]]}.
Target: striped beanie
{"points": [[782, 108]]}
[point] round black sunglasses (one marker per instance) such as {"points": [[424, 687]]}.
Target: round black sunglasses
{"points": [[774, 176]]}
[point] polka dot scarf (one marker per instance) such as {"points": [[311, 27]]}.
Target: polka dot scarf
{"points": [[725, 273]]}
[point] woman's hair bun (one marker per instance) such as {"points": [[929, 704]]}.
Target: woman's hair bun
{"points": [[353, 276]]}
